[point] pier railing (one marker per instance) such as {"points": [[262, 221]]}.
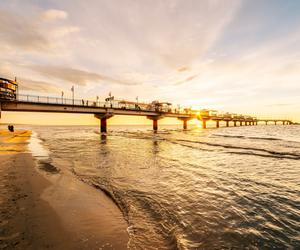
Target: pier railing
{"points": [[94, 103]]}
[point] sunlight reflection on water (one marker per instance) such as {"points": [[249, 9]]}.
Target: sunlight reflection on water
{"points": [[197, 189]]}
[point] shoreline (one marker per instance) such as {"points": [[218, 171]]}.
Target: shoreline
{"points": [[53, 210]]}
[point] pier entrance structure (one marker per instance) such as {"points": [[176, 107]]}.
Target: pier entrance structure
{"points": [[11, 100]]}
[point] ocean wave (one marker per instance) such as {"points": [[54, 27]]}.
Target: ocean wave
{"points": [[271, 153], [255, 138], [165, 224], [248, 137]]}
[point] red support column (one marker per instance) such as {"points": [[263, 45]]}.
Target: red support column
{"points": [[241, 123], [217, 124], [154, 121], [103, 126], [184, 124], [227, 123], [103, 120], [204, 124], [155, 125], [234, 123]]}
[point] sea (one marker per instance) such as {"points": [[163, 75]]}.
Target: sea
{"points": [[226, 188]]}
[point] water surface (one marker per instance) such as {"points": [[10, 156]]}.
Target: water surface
{"points": [[227, 188]]}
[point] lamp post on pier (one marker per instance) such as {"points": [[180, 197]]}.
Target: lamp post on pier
{"points": [[72, 89]]}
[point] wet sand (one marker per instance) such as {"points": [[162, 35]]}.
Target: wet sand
{"points": [[45, 209]]}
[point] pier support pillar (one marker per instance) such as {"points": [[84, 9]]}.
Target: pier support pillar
{"points": [[103, 126], [154, 121], [266, 123], [155, 127], [246, 123], [275, 122], [283, 123], [103, 121], [204, 123], [185, 120], [234, 123], [241, 123], [227, 123], [184, 124], [217, 124]]}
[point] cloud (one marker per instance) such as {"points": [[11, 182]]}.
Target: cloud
{"points": [[26, 84], [182, 69], [52, 14], [187, 79], [31, 33], [279, 104], [38, 86], [17, 31], [76, 76]]}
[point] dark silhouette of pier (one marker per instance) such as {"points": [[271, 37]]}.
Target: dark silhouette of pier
{"points": [[154, 111]]}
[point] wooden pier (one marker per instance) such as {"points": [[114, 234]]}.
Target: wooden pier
{"points": [[154, 111]]}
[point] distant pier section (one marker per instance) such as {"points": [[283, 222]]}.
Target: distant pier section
{"points": [[11, 100]]}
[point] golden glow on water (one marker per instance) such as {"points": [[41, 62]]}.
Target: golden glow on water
{"points": [[13, 142], [201, 184], [198, 123]]}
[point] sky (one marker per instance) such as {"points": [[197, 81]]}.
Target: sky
{"points": [[241, 56]]}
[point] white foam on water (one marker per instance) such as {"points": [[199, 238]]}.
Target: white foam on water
{"points": [[36, 148]]}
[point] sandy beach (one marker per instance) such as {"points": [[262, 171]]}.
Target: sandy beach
{"points": [[45, 209]]}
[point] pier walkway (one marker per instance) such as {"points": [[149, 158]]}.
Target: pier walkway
{"points": [[105, 110]]}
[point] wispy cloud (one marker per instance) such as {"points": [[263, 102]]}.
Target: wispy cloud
{"points": [[38, 86], [53, 14], [33, 33], [187, 79], [17, 31], [76, 76]]}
